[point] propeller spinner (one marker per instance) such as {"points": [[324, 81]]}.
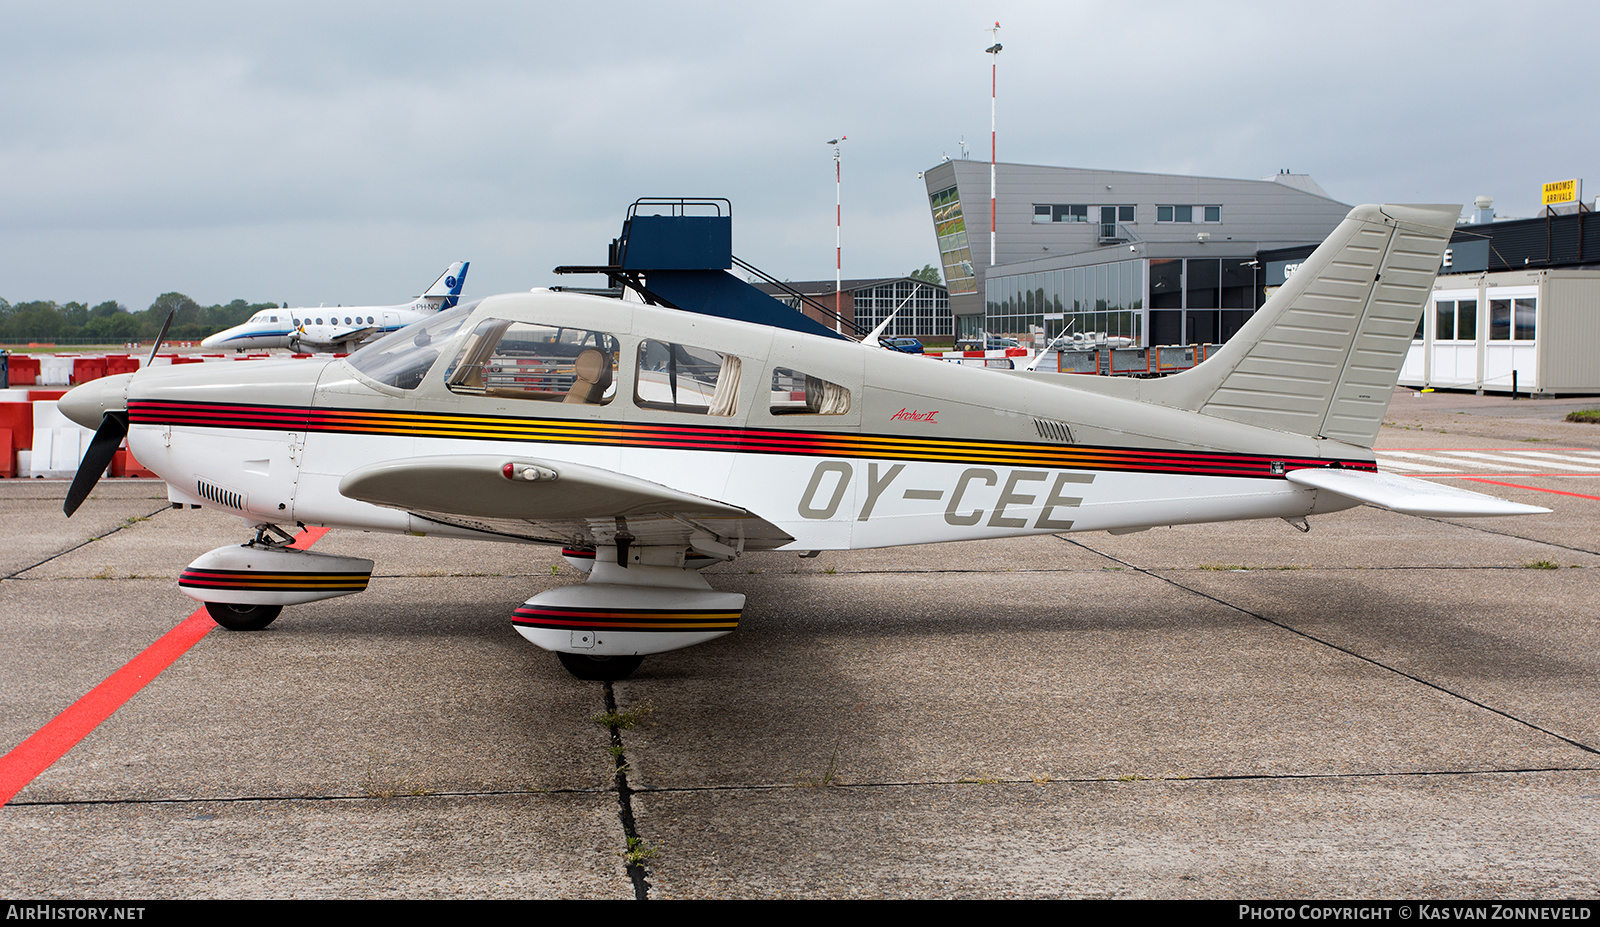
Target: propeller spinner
{"points": [[106, 398]]}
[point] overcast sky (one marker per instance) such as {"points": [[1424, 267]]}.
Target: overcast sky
{"points": [[346, 152]]}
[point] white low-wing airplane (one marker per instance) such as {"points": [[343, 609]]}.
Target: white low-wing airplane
{"points": [[651, 442], [338, 328]]}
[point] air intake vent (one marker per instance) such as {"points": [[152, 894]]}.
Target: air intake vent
{"points": [[225, 497], [1053, 431]]}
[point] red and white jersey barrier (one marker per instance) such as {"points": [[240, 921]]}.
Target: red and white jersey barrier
{"points": [[1001, 358], [36, 440]]}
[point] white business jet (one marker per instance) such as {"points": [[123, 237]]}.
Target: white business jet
{"points": [[337, 328]]}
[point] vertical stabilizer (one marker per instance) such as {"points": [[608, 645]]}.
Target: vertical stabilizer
{"points": [[447, 289], [1322, 356]]}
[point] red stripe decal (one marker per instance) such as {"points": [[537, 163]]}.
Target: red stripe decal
{"points": [[727, 439], [63, 732], [624, 619]]}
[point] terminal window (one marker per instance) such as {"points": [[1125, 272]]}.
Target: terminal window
{"points": [[1075, 212], [1513, 319], [1060, 212], [1455, 320], [1188, 213]]}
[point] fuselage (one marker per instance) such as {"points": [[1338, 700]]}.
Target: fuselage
{"points": [[837, 444], [322, 328]]}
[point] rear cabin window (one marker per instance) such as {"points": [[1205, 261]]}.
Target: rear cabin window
{"points": [[796, 393], [684, 378], [543, 363]]}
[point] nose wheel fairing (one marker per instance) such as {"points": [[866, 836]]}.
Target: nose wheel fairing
{"points": [[263, 574]]}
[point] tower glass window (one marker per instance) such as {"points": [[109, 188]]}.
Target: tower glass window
{"points": [[954, 251]]}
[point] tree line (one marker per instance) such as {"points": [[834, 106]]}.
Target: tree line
{"points": [[110, 322]]}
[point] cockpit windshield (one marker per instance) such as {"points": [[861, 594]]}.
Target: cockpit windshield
{"points": [[401, 358]]}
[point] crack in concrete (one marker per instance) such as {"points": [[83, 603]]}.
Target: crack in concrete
{"points": [[1281, 568], [1374, 661], [1508, 534], [791, 787], [1089, 780], [264, 799], [635, 854], [165, 506]]}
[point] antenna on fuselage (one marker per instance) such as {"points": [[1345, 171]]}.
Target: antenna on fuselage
{"points": [[1033, 364], [873, 336]]}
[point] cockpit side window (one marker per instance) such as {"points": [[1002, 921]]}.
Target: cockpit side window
{"points": [[684, 378], [533, 361]]}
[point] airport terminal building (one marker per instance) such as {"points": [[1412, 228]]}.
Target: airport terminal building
{"points": [[924, 308], [1157, 258]]}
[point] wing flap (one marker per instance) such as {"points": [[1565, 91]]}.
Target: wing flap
{"points": [[564, 502], [1409, 495]]}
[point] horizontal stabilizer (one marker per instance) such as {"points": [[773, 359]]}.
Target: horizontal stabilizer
{"points": [[1409, 495]]}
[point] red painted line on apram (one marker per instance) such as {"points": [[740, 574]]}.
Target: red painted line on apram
{"points": [[1479, 479], [1545, 474], [50, 743], [1385, 450]]}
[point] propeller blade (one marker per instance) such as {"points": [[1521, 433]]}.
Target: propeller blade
{"points": [[159, 338], [113, 428]]}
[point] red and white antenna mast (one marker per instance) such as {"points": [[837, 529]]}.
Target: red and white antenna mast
{"points": [[838, 238], [994, 74]]}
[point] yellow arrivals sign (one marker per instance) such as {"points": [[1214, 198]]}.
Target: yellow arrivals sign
{"points": [[1560, 191]]}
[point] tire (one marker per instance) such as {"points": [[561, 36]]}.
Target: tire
{"points": [[242, 617], [599, 669]]}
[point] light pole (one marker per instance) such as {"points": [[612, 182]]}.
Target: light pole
{"points": [[838, 238], [994, 74]]}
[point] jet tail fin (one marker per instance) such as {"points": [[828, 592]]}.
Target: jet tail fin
{"points": [[1322, 356], [447, 289]]}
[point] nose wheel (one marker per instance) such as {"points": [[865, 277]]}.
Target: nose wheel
{"points": [[599, 669], [242, 617]]}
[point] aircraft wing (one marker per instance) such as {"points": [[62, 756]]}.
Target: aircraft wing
{"points": [[558, 502], [343, 341], [1409, 495]]}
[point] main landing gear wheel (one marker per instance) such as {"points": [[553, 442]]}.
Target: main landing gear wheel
{"points": [[599, 669], [242, 617]]}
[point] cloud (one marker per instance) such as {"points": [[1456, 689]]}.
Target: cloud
{"points": [[338, 152]]}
